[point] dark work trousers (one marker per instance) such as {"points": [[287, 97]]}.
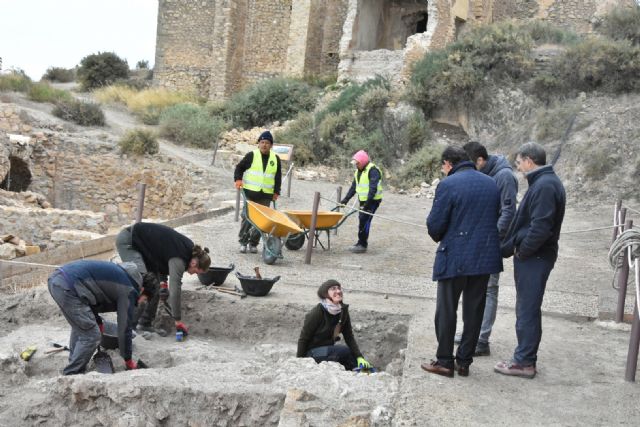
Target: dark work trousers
{"points": [[531, 280], [334, 353], [145, 313], [248, 233], [365, 222], [474, 292]]}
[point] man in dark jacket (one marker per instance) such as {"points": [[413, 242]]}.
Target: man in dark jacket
{"points": [[259, 173], [463, 220], [498, 168], [367, 184], [532, 239], [82, 290]]}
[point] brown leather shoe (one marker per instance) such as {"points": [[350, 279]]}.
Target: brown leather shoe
{"points": [[463, 371], [436, 368]]}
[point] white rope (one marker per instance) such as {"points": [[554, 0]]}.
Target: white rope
{"points": [[626, 240], [632, 210], [376, 215], [591, 229], [35, 264]]}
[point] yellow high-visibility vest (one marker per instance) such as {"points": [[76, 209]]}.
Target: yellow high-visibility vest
{"points": [[362, 186], [255, 179]]}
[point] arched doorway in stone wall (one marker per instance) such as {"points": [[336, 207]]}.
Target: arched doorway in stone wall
{"points": [[19, 176]]}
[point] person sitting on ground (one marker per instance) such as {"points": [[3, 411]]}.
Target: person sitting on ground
{"points": [[322, 327], [259, 174], [160, 251], [82, 289], [367, 184]]}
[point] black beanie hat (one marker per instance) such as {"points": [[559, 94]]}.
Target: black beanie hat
{"points": [[266, 135], [323, 290]]}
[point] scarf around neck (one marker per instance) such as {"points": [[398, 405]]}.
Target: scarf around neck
{"points": [[331, 307]]}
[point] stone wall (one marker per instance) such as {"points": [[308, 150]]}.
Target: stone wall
{"points": [[35, 226]]}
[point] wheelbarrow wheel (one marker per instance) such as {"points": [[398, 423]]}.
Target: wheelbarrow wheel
{"points": [[295, 242], [271, 250]]}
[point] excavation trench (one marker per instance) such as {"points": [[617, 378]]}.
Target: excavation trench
{"points": [[238, 367]]}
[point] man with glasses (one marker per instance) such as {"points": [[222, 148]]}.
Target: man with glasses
{"points": [[463, 220], [532, 240]]}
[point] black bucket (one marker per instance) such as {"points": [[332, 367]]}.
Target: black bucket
{"points": [[215, 276], [253, 286], [109, 339]]}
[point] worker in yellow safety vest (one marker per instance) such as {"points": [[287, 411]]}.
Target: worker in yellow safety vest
{"points": [[367, 184], [259, 174]]}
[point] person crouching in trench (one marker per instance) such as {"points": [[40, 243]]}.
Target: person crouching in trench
{"points": [[322, 327]]}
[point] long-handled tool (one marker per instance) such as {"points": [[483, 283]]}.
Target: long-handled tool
{"points": [[58, 348], [231, 291], [103, 362]]}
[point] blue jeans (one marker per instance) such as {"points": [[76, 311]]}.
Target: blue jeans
{"points": [[334, 353], [85, 335], [531, 280], [490, 310]]}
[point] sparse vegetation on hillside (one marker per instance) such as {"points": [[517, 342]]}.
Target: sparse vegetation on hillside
{"points": [[139, 142], [59, 74], [43, 92], [265, 102], [79, 112], [190, 124], [101, 69], [622, 23], [14, 82]]}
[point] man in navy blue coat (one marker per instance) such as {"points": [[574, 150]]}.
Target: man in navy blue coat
{"points": [[463, 219], [532, 240]]}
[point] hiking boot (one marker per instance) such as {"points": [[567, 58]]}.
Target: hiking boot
{"points": [[435, 367], [515, 370], [149, 328], [243, 249], [253, 249], [482, 350], [358, 249]]}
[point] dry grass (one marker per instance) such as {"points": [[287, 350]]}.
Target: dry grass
{"points": [[139, 102]]}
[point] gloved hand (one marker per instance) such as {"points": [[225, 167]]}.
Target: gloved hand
{"points": [[362, 363], [130, 364], [182, 327], [275, 196], [100, 324], [238, 184], [344, 201], [164, 292]]}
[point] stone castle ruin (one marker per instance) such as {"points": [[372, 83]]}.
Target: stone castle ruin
{"points": [[216, 47]]}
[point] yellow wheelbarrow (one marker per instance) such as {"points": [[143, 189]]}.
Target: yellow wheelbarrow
{"points": [[274, 226], [325, 221]]}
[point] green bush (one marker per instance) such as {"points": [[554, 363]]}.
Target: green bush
{"points": [[348, 97], [416, 133], [142, 64], [189, 124], [14, 82], [300, 133], [79, 112], [600, 64], [455, 74], [139, 142], [101, 69], [552, 123], [43, 92], [423, 166], [622, 23], [321, 80], [542, 32], [599, 162], [59, 74], [265, 102]]}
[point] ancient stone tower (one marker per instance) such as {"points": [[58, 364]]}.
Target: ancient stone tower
{"points": [[216, 47]]}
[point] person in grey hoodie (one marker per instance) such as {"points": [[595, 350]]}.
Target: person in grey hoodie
{"points": [[498, 168], [82, 290]]}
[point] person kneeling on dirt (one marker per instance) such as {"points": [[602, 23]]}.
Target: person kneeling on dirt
{"points": [[322, 327], [82, 289], [160, 251]]}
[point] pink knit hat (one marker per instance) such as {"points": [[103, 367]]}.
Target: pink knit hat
{"points": [[361, 157]]}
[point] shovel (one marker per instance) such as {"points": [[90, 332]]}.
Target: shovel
{"points": [[103, 362]]}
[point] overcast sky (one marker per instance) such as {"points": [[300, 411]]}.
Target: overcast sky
{"points": [[38, 34]]}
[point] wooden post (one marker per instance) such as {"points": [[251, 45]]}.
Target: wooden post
{"points": [[338, 199], [312, 230], [141, 190], [237, 204], [623, 277], [634, 343], [616, 215]]}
